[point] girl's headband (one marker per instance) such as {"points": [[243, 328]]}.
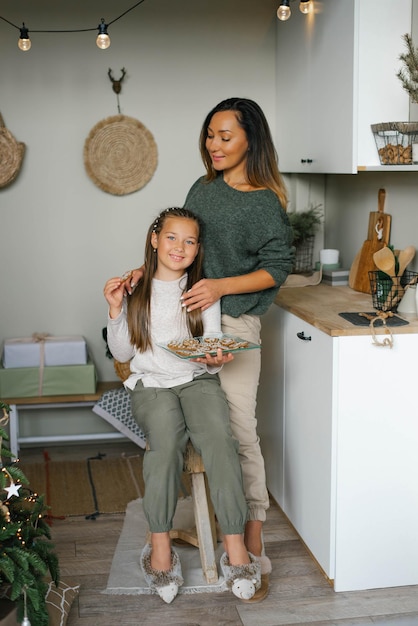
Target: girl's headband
{"points": [[157, 221]]}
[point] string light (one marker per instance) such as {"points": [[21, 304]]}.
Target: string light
{"points": [[305, 6], [284, 12], [24, 42], [102, 40]]}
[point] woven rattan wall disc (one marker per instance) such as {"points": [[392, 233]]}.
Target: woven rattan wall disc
{"points": [[11, 155], [120, 155]]}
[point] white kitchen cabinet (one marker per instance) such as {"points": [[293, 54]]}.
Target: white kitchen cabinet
{"points": [[270, 401], [339, 432], [308, 472], [336, 75]]}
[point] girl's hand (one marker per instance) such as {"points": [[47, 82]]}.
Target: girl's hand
{"points": [[215, 360], [113, 292], [134, 278], [203, 294]]}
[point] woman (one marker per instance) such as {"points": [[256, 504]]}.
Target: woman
{"points": [[248, 254]]}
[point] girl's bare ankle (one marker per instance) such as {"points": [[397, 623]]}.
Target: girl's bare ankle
{"points": [[236, 550], [161, 551]]}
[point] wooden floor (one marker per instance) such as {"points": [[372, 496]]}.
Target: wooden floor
{"points": [[299, 593]]}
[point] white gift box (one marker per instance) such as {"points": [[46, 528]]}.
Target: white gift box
{"points": [[28, 351]]}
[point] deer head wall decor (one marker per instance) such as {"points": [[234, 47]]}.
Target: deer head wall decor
{"points": [[117, 84]]}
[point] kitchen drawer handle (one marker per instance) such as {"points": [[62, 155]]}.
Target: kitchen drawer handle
{"points": [[306, 160], [302, 336]]}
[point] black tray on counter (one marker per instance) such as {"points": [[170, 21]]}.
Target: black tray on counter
{"points": [[359, 320]]}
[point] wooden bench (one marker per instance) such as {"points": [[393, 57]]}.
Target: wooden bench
{"points": [[56, 402]]}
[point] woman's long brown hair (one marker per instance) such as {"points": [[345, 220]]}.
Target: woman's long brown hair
{"points": [[139, 303], [262, 160]]}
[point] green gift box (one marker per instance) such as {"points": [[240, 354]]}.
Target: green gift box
{"points": [[55, 380]]}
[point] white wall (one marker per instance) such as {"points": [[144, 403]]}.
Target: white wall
{"points": [[349, 200]]}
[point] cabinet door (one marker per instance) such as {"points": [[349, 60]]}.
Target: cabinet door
{"points": [[315, 68], [270, 400], [377, 464], [293, 97], [308, 437]]}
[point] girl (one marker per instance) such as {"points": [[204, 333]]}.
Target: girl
{"points": [[174, 400]]}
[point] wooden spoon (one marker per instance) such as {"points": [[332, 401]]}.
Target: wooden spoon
{"points": [[384, 260], [404, 258], [397, 291]]}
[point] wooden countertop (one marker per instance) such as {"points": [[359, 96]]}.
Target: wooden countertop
{"points": [[320, 305]]}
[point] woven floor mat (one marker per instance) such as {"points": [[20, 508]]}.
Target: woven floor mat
{"points": [[88, 487]]}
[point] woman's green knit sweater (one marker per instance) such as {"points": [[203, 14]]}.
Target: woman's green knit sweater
{"points": [[242, 232]]}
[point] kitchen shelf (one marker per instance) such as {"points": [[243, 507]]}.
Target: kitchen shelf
{"points": [[387, 168]]}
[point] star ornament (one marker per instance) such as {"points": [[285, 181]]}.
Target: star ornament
{"points": [[12, 490]]}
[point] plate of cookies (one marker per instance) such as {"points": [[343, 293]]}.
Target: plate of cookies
{"points": [[194, 347]]}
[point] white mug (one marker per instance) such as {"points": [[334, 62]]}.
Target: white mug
{"points": [[329, 256], [408, 302]]}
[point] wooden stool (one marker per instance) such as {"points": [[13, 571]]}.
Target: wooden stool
{"points": [[203, 535]]}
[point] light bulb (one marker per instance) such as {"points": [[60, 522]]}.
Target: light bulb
{"points": [[103, 39], [284, 12], [24, 42], [305, 6]]}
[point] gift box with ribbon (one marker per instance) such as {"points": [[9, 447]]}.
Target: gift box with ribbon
{"points": [[44, 350], [60, 380]]}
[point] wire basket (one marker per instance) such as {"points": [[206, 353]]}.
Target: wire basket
{"points": [[304, 256], [394, 142], [387, 291]]}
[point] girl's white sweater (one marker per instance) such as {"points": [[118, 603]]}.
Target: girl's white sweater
{"points": [[157, 367]]}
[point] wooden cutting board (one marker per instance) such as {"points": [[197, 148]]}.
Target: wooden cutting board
{"points": [[378, 236]]}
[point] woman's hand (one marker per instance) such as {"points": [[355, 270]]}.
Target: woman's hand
{"points": [[134, 279], [215, 360], [114, 291], [203, 294]]}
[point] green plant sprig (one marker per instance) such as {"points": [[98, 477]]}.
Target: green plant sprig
{"points": [[409, 74], [305, 223]]}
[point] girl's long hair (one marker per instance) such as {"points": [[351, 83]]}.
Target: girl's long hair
{"points": [[262, 161], [139, 303]]}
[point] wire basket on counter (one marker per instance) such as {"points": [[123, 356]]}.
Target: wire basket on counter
{"points": [[387, 291], [304, 256]]}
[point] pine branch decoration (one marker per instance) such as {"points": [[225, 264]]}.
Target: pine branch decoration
{"points": [[409, 74], [27, 555]]}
